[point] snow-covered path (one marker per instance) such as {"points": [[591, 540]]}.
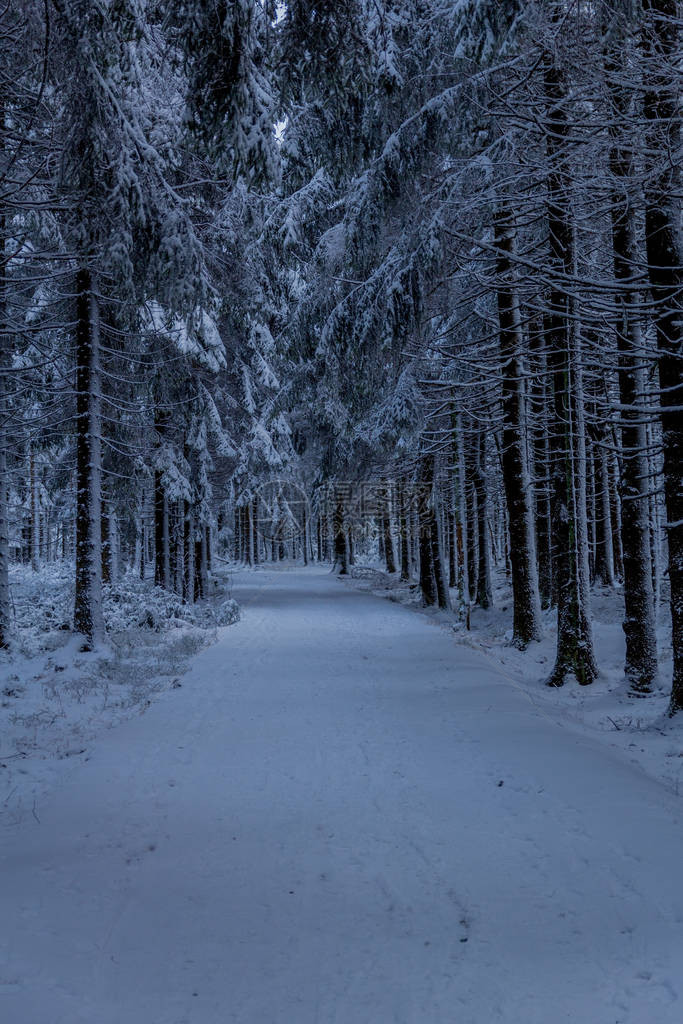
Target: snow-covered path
{"points": [[343, 817]]}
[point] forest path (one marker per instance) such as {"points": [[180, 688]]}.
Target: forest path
{"points": [[313, 830]]}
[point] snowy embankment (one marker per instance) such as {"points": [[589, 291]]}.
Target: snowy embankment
{"points": [[55, 698], [345, 817]]}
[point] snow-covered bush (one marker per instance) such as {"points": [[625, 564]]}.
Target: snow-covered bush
{"points": [[43, 605], [227, 612], [131, 602]]}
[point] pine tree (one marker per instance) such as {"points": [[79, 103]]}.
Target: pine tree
{"points": [[661, 49], [574, 627], [526, 600], [639, 624]]}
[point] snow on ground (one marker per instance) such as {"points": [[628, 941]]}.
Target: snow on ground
{"points": [[56, 699], [639, 727], [344, 816]]}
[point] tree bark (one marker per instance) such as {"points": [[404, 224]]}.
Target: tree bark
{"points": [[88, 620], [304, 535], [662, 50], [140, 545], [615, 509], [525, 593], [463, 531], [404, 532], [198, 577], [250, 532], [162, 554], [425, 513], [570, 567], [35, 511], [484, 594], [179, 533], [203, 562], [452, 552], [639, 618], [604, 555], [470, 518], [442, 595], [188, 552], [340, 545], [590, 507], [106, 545], [5, 608], [389, 558]]}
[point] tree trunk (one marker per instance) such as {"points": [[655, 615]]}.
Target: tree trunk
{"points": [[5, 357], [425, 512], [484, 594], [35, 511], [662, 49], [590, 507], [88, 619], [188, 551], [615, 511], [304, 538], [5, 609], [162, 557], [639, 618], [386, 531], [106, 545], [442, 595], [656, 519], [250, 532], [452, 552], [525, 593], [604, 556], [203, 574], [470, 517], [570, 570], [179, 532], [461, 516], [140, 547], [340, 547], [403, 526], [198, 577]]}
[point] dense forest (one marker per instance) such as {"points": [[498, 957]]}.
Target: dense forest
{"points": [[391, 279]]}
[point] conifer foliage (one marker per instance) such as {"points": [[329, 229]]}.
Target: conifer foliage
{"points": [[421, 260]]}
